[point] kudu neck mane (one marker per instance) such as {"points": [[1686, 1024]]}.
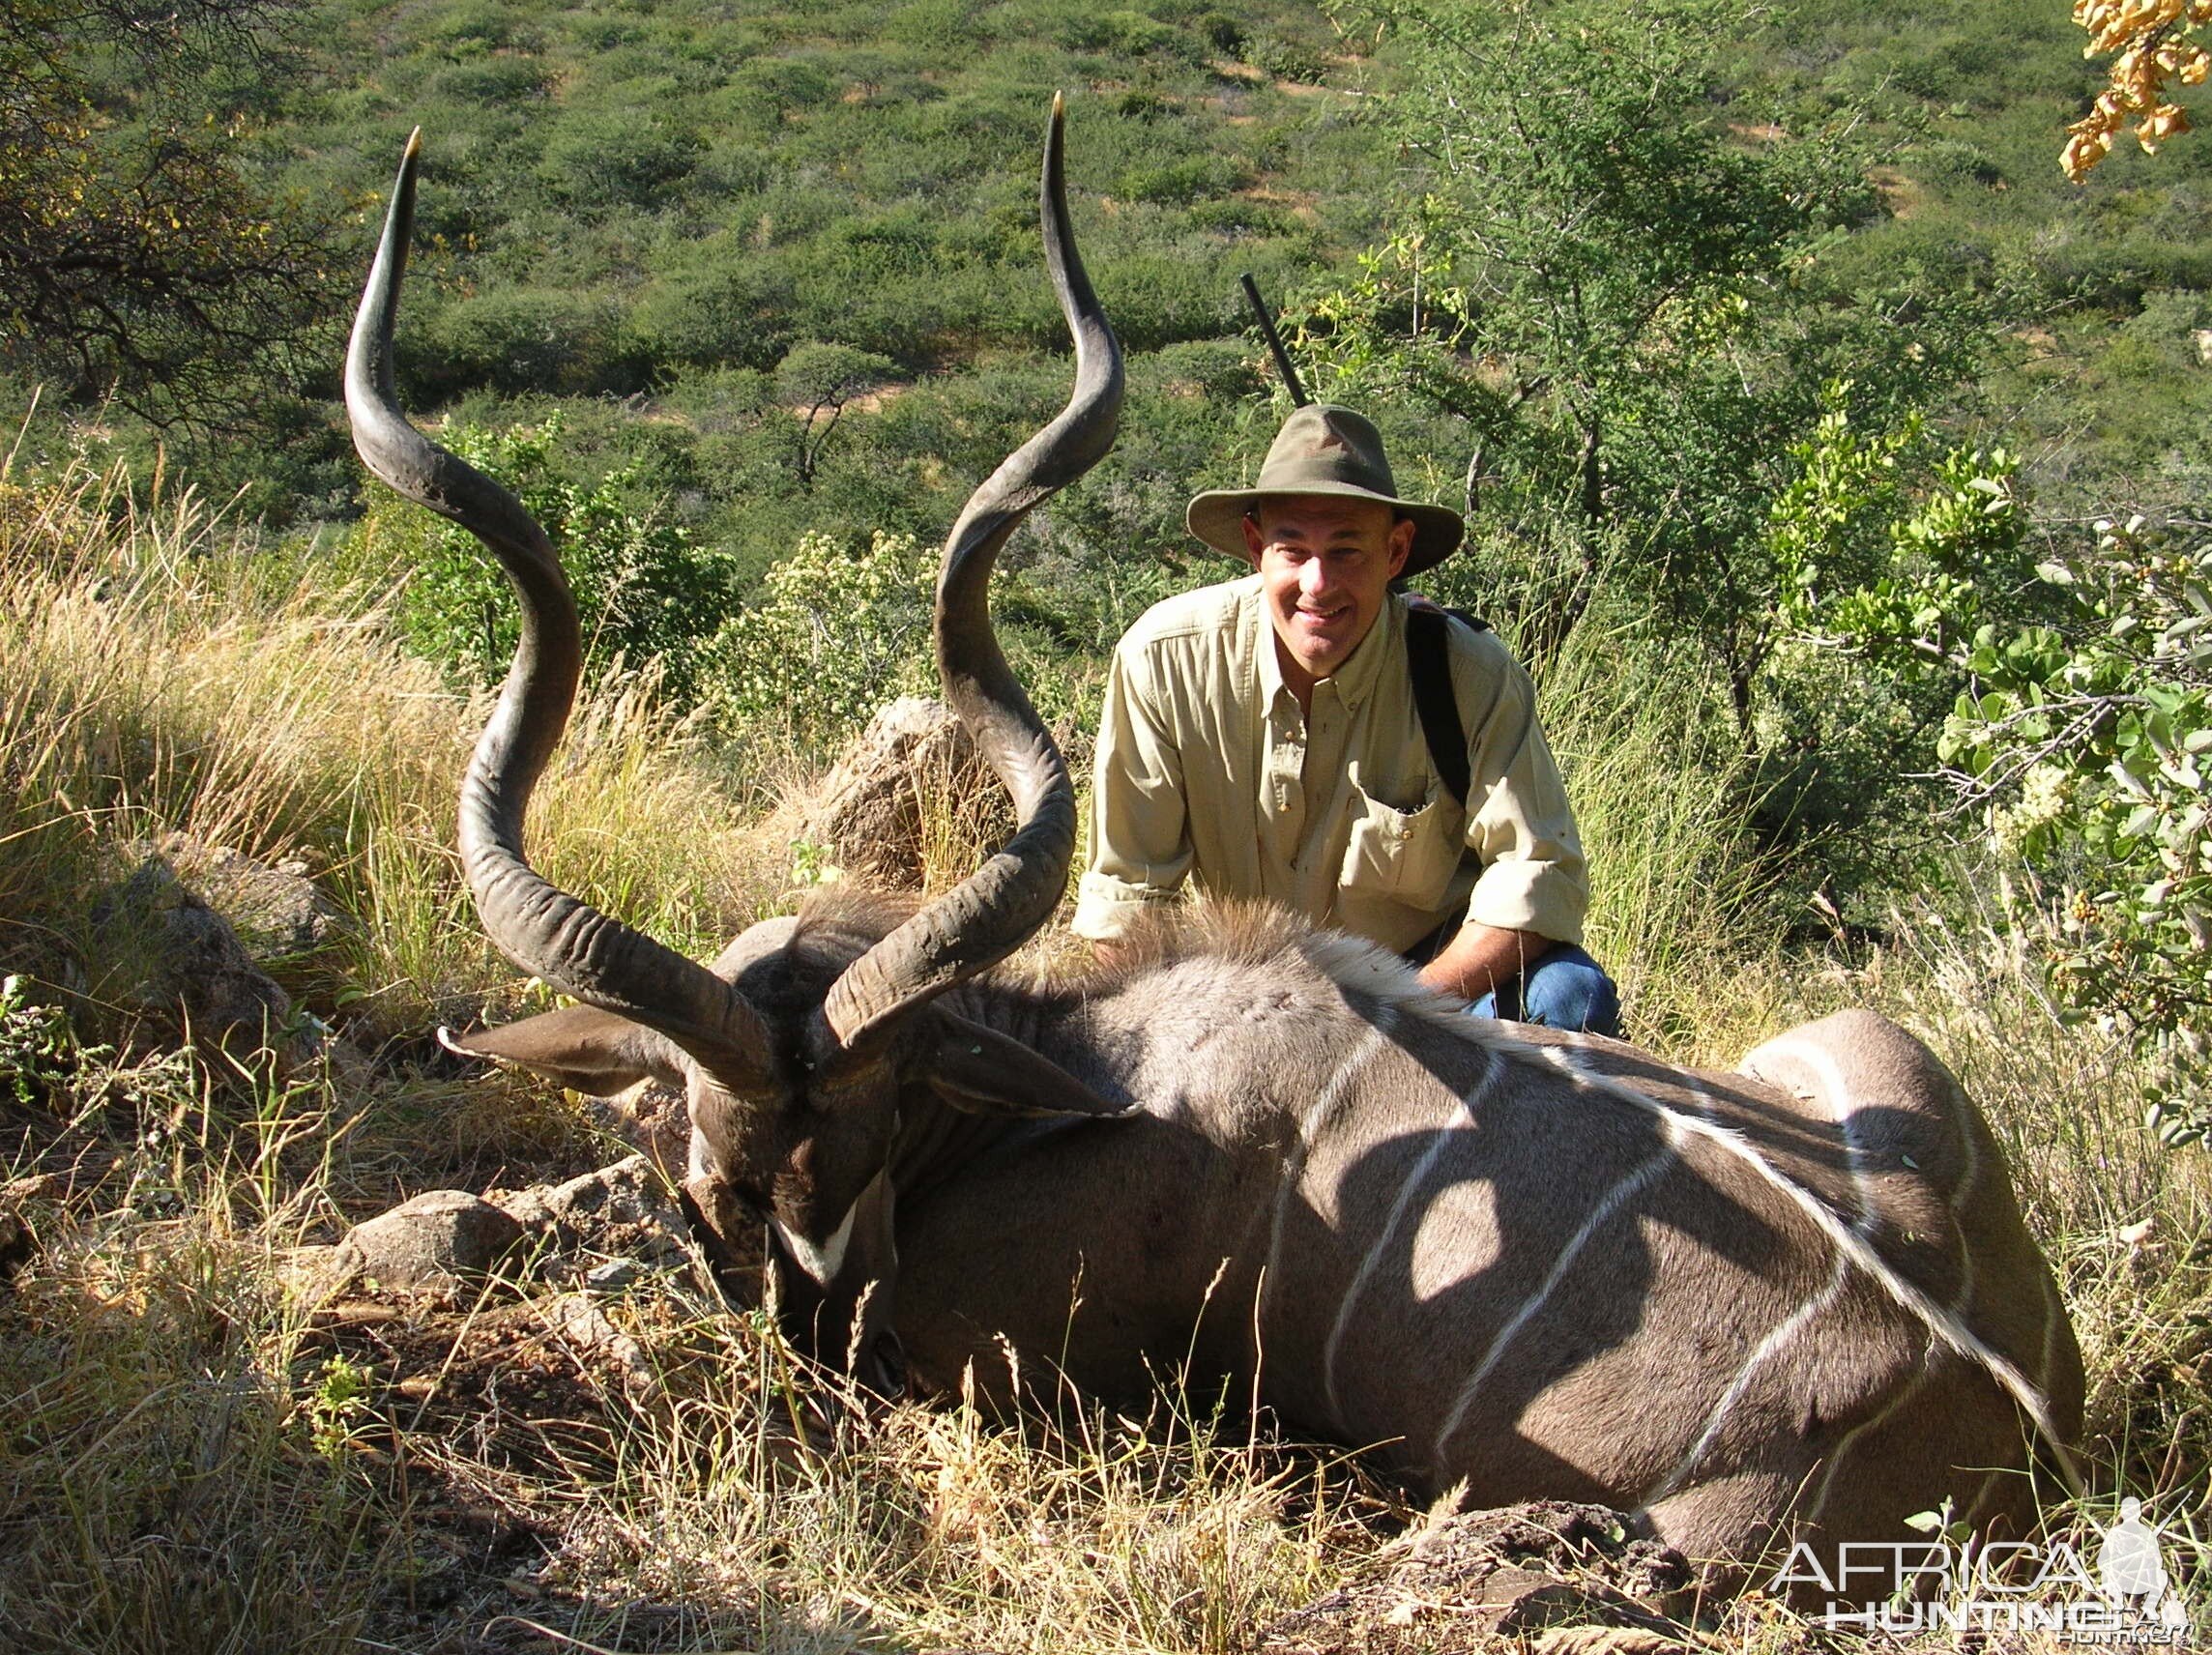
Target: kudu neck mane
{"points": [[838, 925]]}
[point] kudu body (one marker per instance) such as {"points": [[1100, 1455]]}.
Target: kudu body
{"points": [[1748, 1307]]}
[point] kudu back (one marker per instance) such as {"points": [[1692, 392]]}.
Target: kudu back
{"points": [[1749, 1308]]}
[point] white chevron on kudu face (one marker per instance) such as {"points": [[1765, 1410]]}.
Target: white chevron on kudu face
{"points": [[820, 1259]]}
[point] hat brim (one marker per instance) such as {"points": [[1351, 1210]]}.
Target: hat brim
{"points": [[1218, 517]]}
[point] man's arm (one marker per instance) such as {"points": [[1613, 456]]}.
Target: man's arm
{"points": [[1520, 824], [1481, 958], [1140, 840]]}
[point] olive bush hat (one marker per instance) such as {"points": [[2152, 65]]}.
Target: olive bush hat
{"points": [[1325, 449]]}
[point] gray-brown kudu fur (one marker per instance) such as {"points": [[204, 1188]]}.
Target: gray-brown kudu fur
{"points": [[1746, 1307]]}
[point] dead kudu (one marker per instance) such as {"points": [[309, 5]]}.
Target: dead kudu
{"points": [[1793, 1301]]}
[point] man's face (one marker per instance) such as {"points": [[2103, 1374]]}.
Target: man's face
{"points": [[1326, 565]]}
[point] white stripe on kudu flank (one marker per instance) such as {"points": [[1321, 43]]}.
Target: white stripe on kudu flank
{"points": [[1294, 1162], [1638, 1179], [1415, 1181], [1841, 1107], [1779, 1336], [1946, 1326], [2053, 1315]]}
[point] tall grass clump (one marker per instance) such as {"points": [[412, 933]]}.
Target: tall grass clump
{"points": [[2125, 1221], [164, 675], [162, 1489], [1676, 885], [777, 1504]]}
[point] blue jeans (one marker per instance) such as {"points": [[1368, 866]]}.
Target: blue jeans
{"points": [[1563, 989]]}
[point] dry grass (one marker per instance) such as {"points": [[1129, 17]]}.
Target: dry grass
{"points": [[192, 1464], [156, 682]]}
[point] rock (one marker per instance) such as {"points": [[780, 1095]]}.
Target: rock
{"points": [[622, 1212], [203, 921], [910, 789], [574, 1316], [275, 910], [190, 966], [17, 1245], [1608, 1640], [314, 1275], [437, 1240], [1464, 1582], [652, 1118], [616, 1275]]}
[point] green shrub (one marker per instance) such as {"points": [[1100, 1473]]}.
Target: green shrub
{"points": [[495, 80], [832, 636], [1126, 33], [475, 26], [517, 340], [597, 160], [2080, 728], [1221, 31], [1286, 59], [645, 593], [1176, 181], [728, 314]]}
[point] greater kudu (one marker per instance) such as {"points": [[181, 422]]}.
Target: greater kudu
{"points": [[1746, 1307]]}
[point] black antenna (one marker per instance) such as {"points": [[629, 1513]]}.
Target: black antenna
{"points": [[1283, 366]]}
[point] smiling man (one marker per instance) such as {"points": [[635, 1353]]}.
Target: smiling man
{"points": [[1261, 738]]}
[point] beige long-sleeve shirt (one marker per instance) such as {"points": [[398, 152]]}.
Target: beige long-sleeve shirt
{"points": [[1207, 770]]}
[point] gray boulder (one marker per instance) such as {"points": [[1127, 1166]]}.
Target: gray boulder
{"points": [[277, 911], [185, 964], [621, 1211], [440, 1240], [911, 776]]}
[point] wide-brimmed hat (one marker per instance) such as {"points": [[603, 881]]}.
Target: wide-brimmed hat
{"points": [[1325, 449]]}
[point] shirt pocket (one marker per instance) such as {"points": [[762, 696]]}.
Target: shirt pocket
{"points": [[1409, 856]]}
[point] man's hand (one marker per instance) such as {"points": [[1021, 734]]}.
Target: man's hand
{"points": [[1481, 958]]}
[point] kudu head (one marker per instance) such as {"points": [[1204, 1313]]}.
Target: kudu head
{"points": [[797, 1047]]}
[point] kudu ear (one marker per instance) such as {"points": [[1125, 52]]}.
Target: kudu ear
{"points": [[584, 1049], [984, 1072]]}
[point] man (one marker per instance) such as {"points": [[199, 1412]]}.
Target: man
{"points": [[1261, 738]]}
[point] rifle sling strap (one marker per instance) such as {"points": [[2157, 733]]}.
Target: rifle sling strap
{"points": [[1428, 657]]}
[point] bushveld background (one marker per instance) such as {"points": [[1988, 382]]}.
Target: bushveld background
{"points": [[1792, 511]]}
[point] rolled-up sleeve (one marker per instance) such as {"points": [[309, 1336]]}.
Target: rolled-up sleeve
{"points": [[1139, 838], [1520, 824]]}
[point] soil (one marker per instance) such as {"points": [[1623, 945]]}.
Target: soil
{"points": [[1468, 1583]]}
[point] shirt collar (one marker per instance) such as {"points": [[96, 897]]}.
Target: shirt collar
{"points": [[1263, 634], [1356, 679], [1362, 670]]}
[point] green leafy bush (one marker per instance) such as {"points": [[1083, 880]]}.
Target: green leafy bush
{"points": [[617, 157], [644, 591], [1177, 183], [2082, 727], [2089, 742], [38, 1048], [522, 338], [832, 636]]}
